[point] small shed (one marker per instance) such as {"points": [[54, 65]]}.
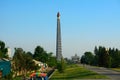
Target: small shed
{"points": [[5, 67]]}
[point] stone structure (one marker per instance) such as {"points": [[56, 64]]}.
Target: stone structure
{"points": [[75, 59], [58, 42]]}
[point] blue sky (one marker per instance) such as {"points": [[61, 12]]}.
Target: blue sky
{"points": [[84, 23]]}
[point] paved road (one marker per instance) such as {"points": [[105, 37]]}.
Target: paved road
{"points": [[113, 75]]}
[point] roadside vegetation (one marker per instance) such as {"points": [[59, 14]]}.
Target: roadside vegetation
{"points": [[116, 69], [22, 62], [76, 72], [102, 57]]}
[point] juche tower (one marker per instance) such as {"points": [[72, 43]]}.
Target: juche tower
{"points": [[58, 41]]}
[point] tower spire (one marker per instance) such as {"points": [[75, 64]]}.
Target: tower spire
{"points": [[58, 14], [58, 40]]}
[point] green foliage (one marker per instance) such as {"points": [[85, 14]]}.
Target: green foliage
{"points": [[108, 58], [116, 69], [40, 54], [52, 62], [103, 57], [30, 54], [87, 58], [115, 57], [18, 78], [1, 54], [9, 76], [23, 62], [61, 66], [74, 72], [3, 50]]}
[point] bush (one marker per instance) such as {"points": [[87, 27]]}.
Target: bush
{"points": [[61, 66], [8, 77]]}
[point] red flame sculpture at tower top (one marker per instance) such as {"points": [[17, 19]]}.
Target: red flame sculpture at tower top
{"points": [[58, 14]]}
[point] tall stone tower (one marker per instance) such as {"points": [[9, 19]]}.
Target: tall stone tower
{"points": [[58, 42]]}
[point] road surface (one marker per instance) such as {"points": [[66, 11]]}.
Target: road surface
{"points": [[113, 75]]}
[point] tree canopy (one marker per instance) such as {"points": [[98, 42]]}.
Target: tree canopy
{"points": [[23, 61], [3, 50], [87, 58], [40, 54], [102, 57]]}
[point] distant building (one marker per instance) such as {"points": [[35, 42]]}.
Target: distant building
{"points": [[75, 59], [9, 52]]}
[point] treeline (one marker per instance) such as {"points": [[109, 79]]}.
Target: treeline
{"points": [[102, 57], [22, 61]]}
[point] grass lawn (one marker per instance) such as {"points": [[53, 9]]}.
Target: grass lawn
{"points": [[76, 72], [17, 78], [116, 69]]}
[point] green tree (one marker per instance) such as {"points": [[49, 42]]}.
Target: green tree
{"points": [[107, 59], [40, 54], [3, 50], [83, 59], [29, 64], [115, 57], [23, 62], [96, 56], [52, 62], [30, 54], [61, 66], [18, 60], [103, 56], [87, 58]]}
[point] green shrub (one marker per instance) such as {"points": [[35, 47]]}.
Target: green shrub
{"points": [[61, 66]]}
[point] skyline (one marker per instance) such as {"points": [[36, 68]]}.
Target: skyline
{"points": [[84, 24]]}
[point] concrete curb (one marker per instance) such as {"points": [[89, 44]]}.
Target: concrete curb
{"points": [[52, 74]]}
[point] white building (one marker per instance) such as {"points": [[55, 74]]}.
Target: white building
{"points": [[9, 52], [76, 59]]}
